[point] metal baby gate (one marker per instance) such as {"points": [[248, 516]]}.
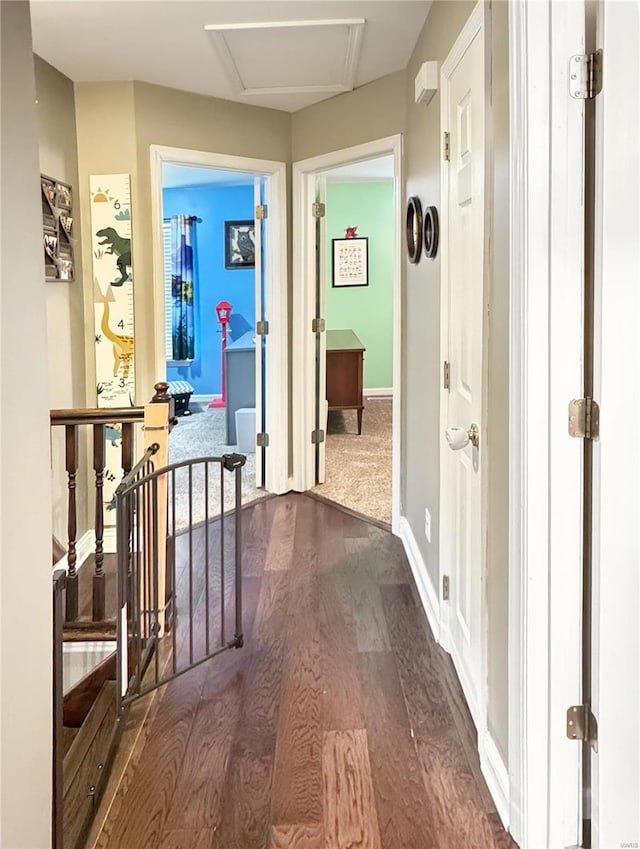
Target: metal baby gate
{"points": [[179, 542]]}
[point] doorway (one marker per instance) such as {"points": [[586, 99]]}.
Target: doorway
{"points": [[223, 356], [347, 375]]}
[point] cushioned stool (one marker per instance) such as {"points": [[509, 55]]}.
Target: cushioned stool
{"points": [[181, 392]]}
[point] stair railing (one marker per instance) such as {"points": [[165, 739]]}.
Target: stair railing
{"points": [[97, 420], [157, 418]]}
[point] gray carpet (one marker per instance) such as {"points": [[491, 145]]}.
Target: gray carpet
{"points": [[202, 434], [358, 468]]}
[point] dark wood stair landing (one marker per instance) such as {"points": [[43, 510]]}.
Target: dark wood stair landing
{"points": [[340, 723]]}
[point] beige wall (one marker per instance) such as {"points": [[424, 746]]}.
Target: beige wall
{"points": [[117, 124], [422, 330], [105, 122], [25, 511], [374, 111], [56, 121]]}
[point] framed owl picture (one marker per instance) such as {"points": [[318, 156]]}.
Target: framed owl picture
{"points": [[239, 244]]}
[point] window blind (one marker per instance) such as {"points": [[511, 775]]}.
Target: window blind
{"points": [[168, 299]]}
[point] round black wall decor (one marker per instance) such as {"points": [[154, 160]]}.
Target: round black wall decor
{"points": [[431, 231], [414, 229]]}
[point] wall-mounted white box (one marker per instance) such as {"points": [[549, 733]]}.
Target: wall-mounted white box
{"points": [[426, 82]]}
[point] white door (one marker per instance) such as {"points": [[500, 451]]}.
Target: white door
{"points": [[322, 407], [463, 103], [260, 189], [616, 637]]}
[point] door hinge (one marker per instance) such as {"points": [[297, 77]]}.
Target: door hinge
{"points": [[446, 375], [262, 211], [445, 588], [585, 75], [584, 419], [318, 210], [317, 436], [317, 325], [446, 146], [262, 328], [262, 440], [582, 725]]}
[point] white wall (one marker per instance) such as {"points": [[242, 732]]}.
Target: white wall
{"points": [[25, 500]]}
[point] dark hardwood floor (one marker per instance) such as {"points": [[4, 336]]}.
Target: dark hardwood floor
{"points": [[339, 725]]}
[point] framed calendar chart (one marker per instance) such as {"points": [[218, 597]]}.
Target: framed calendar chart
{"points": [[350, 262], [113, 312]]}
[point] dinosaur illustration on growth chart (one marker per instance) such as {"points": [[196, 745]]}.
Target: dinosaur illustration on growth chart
{"points": [[119, 246], [122, 345]]}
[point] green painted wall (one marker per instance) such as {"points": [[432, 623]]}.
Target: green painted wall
{"points": [[367, 310]]}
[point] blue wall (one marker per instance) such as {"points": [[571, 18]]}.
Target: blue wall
{"points": [[213, 205]]}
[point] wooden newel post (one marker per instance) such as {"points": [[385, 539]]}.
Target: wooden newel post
{"points": [[158, 420]]}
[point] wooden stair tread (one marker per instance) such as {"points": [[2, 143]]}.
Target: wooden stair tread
{"points": [[68, 736], [78, 701], [86, 765], [105, 703], [84, 630]]}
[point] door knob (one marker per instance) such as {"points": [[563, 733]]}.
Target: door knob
{"points": [[458, 437]]}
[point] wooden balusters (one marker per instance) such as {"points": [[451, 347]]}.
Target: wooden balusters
{"points": [[158, 423], [127, 447], [71, 463], [98, 575]]}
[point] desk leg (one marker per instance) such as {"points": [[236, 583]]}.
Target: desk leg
{"points": [[360, 409]]}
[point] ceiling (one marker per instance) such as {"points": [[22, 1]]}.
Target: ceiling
{"points": [[275, 53]]}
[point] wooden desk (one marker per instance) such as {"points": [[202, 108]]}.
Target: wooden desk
{"points": [[345, 358]]}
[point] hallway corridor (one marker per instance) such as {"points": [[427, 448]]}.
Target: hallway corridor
{"points": [[339, 725]]}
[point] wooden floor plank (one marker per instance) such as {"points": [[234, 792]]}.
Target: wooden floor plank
{"points": [[297, 837], [188, 839], [402, 803], [196, 802], [280, 548], [350, 818], [341, 693]]}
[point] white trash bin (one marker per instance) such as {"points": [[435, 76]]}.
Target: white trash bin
{"points": [[246, 430]]}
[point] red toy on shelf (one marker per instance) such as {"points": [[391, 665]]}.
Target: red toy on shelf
{"points": [[223, 311]]}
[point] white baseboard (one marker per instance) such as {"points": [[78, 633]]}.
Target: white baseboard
{"points": [[426, 590], [379, 392], [496, 775], [204, 399], [86, 545]]}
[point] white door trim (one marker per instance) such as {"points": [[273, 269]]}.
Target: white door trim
{"points": [[477, 24], [303, 364], [546, 257], [277, 400]]}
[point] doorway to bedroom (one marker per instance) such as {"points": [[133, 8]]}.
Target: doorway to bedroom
{"points": [[348, 253], [217, 266]]}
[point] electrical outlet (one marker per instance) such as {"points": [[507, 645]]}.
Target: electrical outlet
{"points": [[427, 524]]}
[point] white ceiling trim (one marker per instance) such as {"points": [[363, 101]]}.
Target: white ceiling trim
{"points": [[355, 31]]}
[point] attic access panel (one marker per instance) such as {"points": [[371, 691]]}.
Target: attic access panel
{"points": [[289, 56]]}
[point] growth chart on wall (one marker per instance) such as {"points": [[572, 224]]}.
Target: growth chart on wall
{"points": [[113, 282], [113, 310]]}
